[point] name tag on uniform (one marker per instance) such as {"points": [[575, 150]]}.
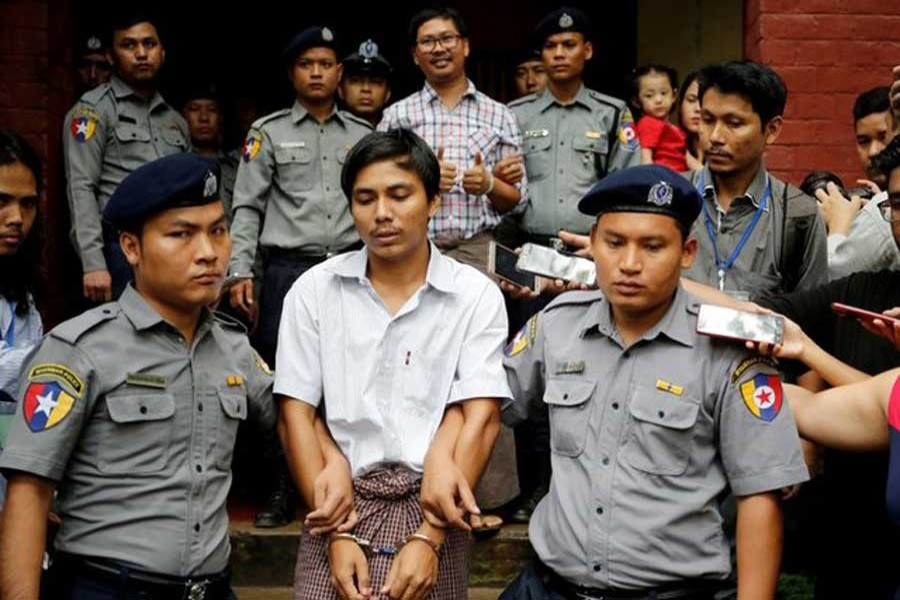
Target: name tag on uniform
{"points": [[669, 387], [292, 145], [571, 367], [146, 380], [536, 133], [593, 135]]}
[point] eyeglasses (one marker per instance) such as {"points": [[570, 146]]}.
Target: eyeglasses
{"points": [[448, 42], [890, 209]]}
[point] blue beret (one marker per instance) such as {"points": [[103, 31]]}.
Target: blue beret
{"points": [[311, 37], [647, 188], [562, 20], [367, 60], [169, 182]]}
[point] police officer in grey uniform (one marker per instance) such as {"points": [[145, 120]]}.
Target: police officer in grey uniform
{"points": [[365, 84], [756, 232], [287, 196], [111, 131], [572, 136], [288, 200], [130, 412], [203, 111], [650, 422]]}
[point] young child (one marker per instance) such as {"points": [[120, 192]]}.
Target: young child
{"points": [[653, 97]]}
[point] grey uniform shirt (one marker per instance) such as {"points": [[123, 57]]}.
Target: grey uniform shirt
{"points": [[288, 184], [138, 430], [765, 259], [109, 133], [643, 441], [567, 149]]}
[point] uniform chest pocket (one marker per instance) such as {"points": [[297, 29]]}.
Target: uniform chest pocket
{"points": [[137, 434], [661, 433], [588, 157], [569, 403], [234, 410], [131, 132], [537, 148], [173, 137], [295, 169]]}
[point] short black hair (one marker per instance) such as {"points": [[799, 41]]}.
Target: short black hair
{"points": [[405, 148], [427, 14], [759, 84], [643, 71], [20, 272], [876, 100], [818, 180], [125, 18], [888, 159]]}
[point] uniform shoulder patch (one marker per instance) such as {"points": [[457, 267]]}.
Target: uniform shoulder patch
{"points": [[84, 123], [763, 396], [524, 338], [70, 331], [574, 298], [46, 404], [628, 138], [252, 145]]}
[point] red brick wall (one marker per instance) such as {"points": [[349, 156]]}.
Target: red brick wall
{"points": [[35, 92], [827, 51]]}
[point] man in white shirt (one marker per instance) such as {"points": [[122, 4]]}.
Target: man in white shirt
{"points": [[402, 348]]}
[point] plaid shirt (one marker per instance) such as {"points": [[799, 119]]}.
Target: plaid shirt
{"points": [[476, 124]]}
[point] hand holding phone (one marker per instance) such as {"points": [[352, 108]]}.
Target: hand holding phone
{"points": [[731, 324], [502, 263]]}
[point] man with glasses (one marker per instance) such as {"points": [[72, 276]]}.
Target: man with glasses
{"points": [[468, 131], [853, 483]]}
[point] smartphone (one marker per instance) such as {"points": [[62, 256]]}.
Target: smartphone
{"points": [[866, 315], [502, 263], [728, 323], [553, 264]]}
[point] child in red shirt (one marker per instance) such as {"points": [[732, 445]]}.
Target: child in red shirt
{"points": [[653, 98]]}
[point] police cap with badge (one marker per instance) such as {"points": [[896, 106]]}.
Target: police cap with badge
{"points": [[367, 61], [647, 189], [562, 20], [175, 181], [311, 37]]}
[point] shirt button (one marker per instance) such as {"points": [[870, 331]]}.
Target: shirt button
{"points": [[560, 200], [197, 527], [199, 469], [329, 217], [599, 510], [597, 568], [627, 355], [562, 143], [565, 396], [661, 414], [560, 171], [615, 406], [200, 407], [143, 410], [605, 461]]}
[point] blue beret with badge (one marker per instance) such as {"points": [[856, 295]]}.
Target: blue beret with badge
{"points": [[174, 181], [311, 37], [367, 60], [562, 20], [646, 188]]}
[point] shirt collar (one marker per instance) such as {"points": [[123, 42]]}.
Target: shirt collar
{"points": [[430, 94], [144, 317], [754, 193], [123, 90], [439, 274], [676, 324], [299, 112], [547, 99]]}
